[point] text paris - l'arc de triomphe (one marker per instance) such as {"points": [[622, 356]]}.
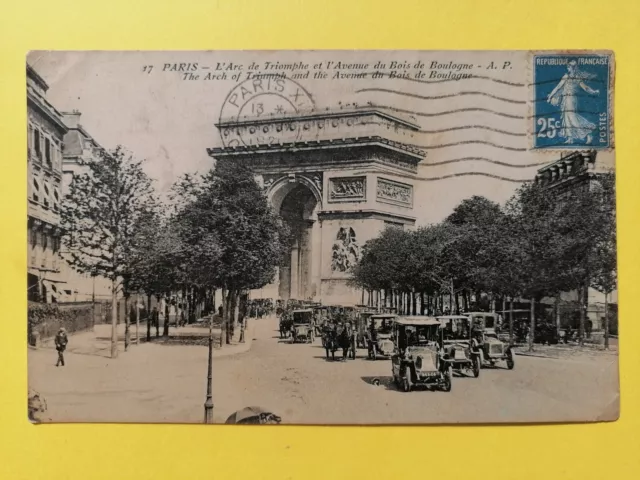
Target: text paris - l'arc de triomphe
{"points": [[338, 178]]}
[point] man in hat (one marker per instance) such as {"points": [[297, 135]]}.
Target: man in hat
{"points": [[61, 341]]}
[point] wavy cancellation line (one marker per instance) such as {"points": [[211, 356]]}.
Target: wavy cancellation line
{"points": [[477, 174], [469, 142], [458, 110], [476, 109], [439, 97], [485, 77], [453, 129], [473, 77], [462, 174], [484, 159]]}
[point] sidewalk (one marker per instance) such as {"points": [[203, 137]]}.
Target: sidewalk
{"points": [[560, 351], [97, 342]]}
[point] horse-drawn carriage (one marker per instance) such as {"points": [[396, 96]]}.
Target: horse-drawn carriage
{"points": [[286, 322], [362, 325], [338, 335], [302, 326]]}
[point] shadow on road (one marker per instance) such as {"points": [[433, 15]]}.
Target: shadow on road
{"points": [[385, 382]]}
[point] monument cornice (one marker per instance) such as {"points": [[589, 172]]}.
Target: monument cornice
{"points": [[414, 155], [314, 116], [368, 213]]}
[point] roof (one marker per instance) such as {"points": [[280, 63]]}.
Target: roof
{"points": [[447, 317], [488, 314], [384, 315], [303, 310], [417, 320]]}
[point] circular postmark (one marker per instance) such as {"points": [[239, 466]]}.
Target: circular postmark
{"points": [[261, 111]]}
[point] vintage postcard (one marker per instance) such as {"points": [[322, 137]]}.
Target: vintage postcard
{"points": [[322, 237]]}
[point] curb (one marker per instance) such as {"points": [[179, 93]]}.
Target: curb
{"points": [[238, 347]]}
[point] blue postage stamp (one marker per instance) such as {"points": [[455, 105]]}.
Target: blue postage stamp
{"points": [[571, 101]]}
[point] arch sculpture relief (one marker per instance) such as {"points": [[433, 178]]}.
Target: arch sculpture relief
{"points": [[345, 251]]}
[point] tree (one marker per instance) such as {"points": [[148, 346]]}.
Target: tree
{"points": [[234, 239], [100, 219]]}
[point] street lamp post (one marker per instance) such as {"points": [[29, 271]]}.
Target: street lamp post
{"points": [[208, 404]]}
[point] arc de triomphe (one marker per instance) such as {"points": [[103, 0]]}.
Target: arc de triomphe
{"points": [[338, 178]]}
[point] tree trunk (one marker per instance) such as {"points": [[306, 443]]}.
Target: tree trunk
{"points": [[137, 319], [511, 321], [148, 318], [581, 292], [127, 324], [243, 317], [414, 301], [228, 316], [557, 313], [606, 321], [532, 328], [114, 319], [165, 326], [457, 304], [422, 304], [156, 316]]}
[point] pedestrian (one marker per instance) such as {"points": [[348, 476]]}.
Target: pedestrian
{"points": [[61, 341]]}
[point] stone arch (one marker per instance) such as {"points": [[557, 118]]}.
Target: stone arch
{"points": [[280, 188]]}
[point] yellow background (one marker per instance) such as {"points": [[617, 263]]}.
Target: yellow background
{"points": [[192, 452]]}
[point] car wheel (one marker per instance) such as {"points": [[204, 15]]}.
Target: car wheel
{"points": [[374, 355], [446, 387], [481, 358], [510, 362], [476, 366]]}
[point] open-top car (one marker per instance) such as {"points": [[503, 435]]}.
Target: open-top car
{"points": [[378, 336], [456, 343], [485, 341], [419, 358], [302, 326]]}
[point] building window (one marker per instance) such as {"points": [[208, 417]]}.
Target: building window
{"points": [[47, 150], [36, 144], [45, 197], [36, 197], [30, 139], [56, 200]]}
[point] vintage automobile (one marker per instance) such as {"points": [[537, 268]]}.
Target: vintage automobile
{"points": [[378, 336], [456, 343], [362, 326], [302, 326], [485, 341], [419, 358]]}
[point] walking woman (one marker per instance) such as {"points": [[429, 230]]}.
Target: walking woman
{"points": [[61, 341]]}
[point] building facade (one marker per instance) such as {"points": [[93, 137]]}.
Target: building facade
{"points": [[46, 130], [79, 148], [337, 178]]}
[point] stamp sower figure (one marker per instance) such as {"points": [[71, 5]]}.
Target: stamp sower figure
{"points": [[61, 341], [565, 95]]}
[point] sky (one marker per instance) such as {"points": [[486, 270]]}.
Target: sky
{"points": [[475, 131]]}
